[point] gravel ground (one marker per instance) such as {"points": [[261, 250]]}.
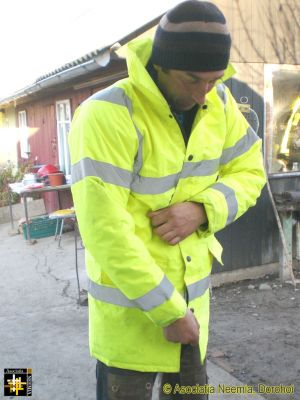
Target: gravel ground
{"points": [[255, 333]]}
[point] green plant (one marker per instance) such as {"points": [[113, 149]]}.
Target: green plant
{"points": [[9, 173]]}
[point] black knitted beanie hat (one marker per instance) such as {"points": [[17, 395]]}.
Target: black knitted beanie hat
{"points": [[193, 36]]}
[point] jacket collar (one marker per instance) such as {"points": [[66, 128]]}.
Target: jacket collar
{"points": [[138, 56]]}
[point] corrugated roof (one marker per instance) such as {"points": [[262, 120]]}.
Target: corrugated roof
{"points": [[79, 61], [81, 65]]}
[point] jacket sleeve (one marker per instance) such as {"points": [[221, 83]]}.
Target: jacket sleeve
{"points": [[103, 144], [241, 174]]}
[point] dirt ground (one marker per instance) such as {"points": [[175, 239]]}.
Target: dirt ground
{"points": [[255, 334]]}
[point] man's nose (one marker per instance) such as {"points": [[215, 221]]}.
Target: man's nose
{"points": [[199, 97], [200, 92]]}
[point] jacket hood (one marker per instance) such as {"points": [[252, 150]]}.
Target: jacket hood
{"points": [[139, 52]]}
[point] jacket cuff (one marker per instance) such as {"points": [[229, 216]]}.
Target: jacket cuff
{"points": [[171, 310], [216, 209]]}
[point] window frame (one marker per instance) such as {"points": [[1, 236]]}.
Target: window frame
{"points": [[24, 134], [272, 105], [63, 127]]}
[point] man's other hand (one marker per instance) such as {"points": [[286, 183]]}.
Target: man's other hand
{"points": [[175, 223], [184, 330]]}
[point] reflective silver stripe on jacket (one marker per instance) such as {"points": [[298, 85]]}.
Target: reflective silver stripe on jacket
{"points": [[143, 185], [148, 185], [231, 200], [152, 185], [137, 183], [200, 168], [115, 95], [150, 300], [107, 172], [198, 288], [222, 93], [240, 147]]}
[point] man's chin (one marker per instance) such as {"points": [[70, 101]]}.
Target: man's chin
{"points": [[184, 107]]}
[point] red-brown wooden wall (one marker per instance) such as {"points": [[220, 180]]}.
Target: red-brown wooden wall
{"points": [[41, 116]]}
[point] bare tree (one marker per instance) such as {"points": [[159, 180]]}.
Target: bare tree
{"points": [[279, 26]]}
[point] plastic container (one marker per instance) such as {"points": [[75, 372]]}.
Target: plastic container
{"points": [[57, 179], [40, 227], [29, 179]]}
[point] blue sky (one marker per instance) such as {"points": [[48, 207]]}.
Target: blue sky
{"points": [[38, 36]]}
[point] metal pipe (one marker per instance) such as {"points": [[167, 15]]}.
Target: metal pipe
{"points": [[284, 175]]}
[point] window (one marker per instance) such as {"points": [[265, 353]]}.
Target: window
{"points": [[24, 134], [282, 95], [63, 118]]}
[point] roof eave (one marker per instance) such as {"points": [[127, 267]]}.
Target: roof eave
{"points": [[89, 62]]}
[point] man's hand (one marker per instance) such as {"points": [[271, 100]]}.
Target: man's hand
{"points": [[175, 223], [184, 330]]}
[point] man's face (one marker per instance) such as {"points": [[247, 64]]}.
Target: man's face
{"points": [[184, 89]]}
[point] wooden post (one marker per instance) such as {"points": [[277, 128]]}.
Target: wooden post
{"points": [[298, 240], [286, 258]]}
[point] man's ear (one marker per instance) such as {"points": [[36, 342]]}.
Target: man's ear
{"points": [[158, 68]]}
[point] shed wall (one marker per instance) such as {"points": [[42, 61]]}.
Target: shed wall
{"points": [[263, 31]]}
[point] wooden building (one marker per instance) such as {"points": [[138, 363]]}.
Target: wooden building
{"points": [[266, 55], [43, 110]]}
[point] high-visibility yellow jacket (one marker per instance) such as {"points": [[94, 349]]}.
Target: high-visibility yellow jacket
{"points": [[129, 158]]}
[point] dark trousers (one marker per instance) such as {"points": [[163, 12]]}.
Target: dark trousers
{"points": [[123, 384]]}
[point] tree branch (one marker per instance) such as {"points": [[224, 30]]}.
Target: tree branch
{"points": [[248, 35]]}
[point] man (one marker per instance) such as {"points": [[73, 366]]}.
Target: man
{"points": [[160, 162]]}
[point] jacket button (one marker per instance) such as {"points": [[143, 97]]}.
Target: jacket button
{"points": [[189, 258], [115, 388], [190, 157]]}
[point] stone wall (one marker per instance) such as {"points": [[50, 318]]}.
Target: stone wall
{"points": [[35, 207]]}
